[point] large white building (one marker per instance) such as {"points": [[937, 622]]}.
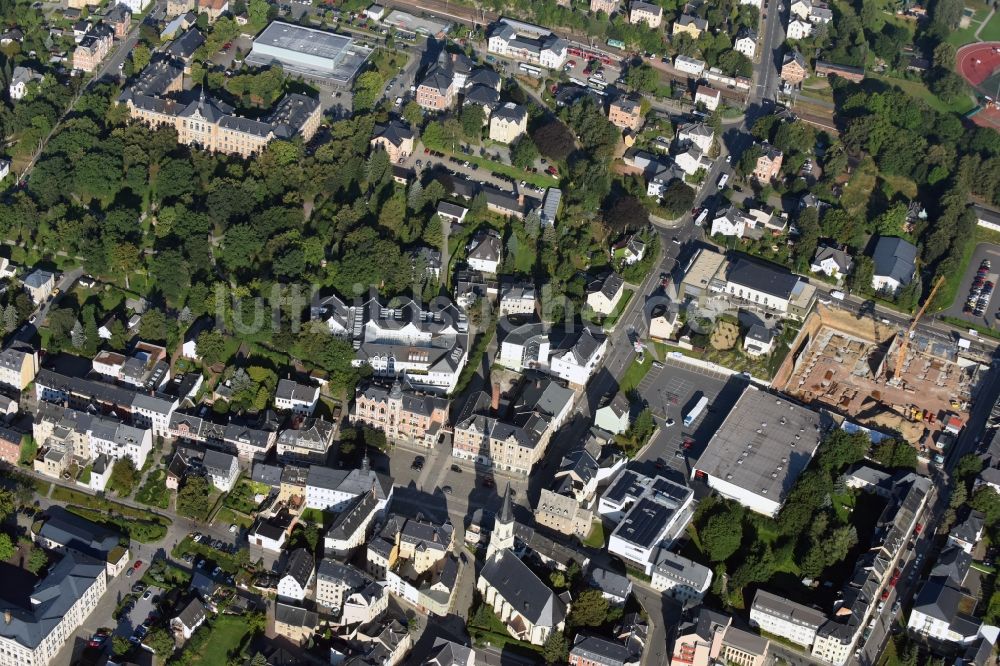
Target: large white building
{"points": [[60, 603], [309, 52], [329, 489], [427, 347], [531, 43], [650, 512], [760, 450], [781, 617], [685, 580]]}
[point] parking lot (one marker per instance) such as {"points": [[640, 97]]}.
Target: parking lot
{"points": [[670, 392], [992, 310], [144, 605]]}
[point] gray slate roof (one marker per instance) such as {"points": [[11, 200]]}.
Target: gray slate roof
{"points": [[895, 258], [523, 590]]}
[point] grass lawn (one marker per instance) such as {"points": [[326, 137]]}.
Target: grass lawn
{"points": [[991, 33], [42, 488], [859, 188], [919, 90], [596, 537], [154, 491], [630, 380], [227, 516], [901, 184], [227, 634]]}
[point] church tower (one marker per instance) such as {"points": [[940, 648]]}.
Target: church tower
{"points": [[502, 537]]}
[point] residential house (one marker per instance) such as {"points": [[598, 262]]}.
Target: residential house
{"points": [[800, 9], [297, 579], [609, 7], [746, 42], [526, 605], [93, 48], [10, 446], [709, 638], [781, 617], [221, 468], [212, 8], [692, 160], [577, 357], [645, 12], [689, 25], [614, 417], [530, 43], [350, 528], [295, 623], [708, 96], [20, 78], [626, 113], [793, 68], [395, 138], [190, 618], [298, 398], [483, 76], [768, 164], [699, 134], [604, 293], [729, 222], [484, 97], [614, 587], [119, 18], [799, 29], [968, 533], [550, 206], [767, 286], [758, 341], [508, 123], [308, 441], [629, 250], [450, 212], [895, 264], [349, 594], [683, 579], [405, 416], [524, 346], [591, 650], [39, 285], [516, 298], [485, 252], [328, 489], [448, 653], [437, 91], [663, 322], [18, 365], [567, 504], [688, 65], [831, 261], [428, 259]]}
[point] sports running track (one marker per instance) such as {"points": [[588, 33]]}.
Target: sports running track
{"points": [[979, 64]]}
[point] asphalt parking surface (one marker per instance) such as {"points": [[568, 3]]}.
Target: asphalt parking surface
{"points": [[670, 392], [990, 314]]}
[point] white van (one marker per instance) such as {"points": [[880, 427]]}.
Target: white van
{"points": [[723, 180]]}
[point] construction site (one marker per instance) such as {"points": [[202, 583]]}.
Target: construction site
{"points": [[894, 381]]}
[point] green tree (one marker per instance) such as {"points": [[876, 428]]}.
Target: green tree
{"points": [[153, 326], [722, 534], [120, 646], [6, 547], [367, 90], [555, 650], [413, 114], [967, 467], [642, 78], [160, 642], [523, 153], [257, 11], [211, 346], [193, 498], [589, 609], [140, 56], [8, 503], [472, 117], [37, 560], [124, 477], [863, 274]]}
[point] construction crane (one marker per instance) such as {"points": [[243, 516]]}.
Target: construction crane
{"points": [[897, 374]]}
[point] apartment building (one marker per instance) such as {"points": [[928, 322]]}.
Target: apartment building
{"points": [[404, 416], [298, 398], [683, 579], [19, 80], [508, 123], [781, 617], [768, 164], [93, 48], [250, 440], [60, 603], [625, 113], [425, 347], [645, 12], [328, 489], [307, 441], [18, 365], [437, 91], [348, 593], [689, 25], [395, 138], [531, 43]]}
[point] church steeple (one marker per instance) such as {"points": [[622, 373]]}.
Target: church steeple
{"points": [[502, 537]]}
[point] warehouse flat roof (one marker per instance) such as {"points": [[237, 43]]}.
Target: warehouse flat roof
{"points": [[763, 445], [344, 56]]}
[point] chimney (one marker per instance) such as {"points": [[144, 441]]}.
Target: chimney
{"points": [[495, 402], [6, 617], [520, 198]]}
